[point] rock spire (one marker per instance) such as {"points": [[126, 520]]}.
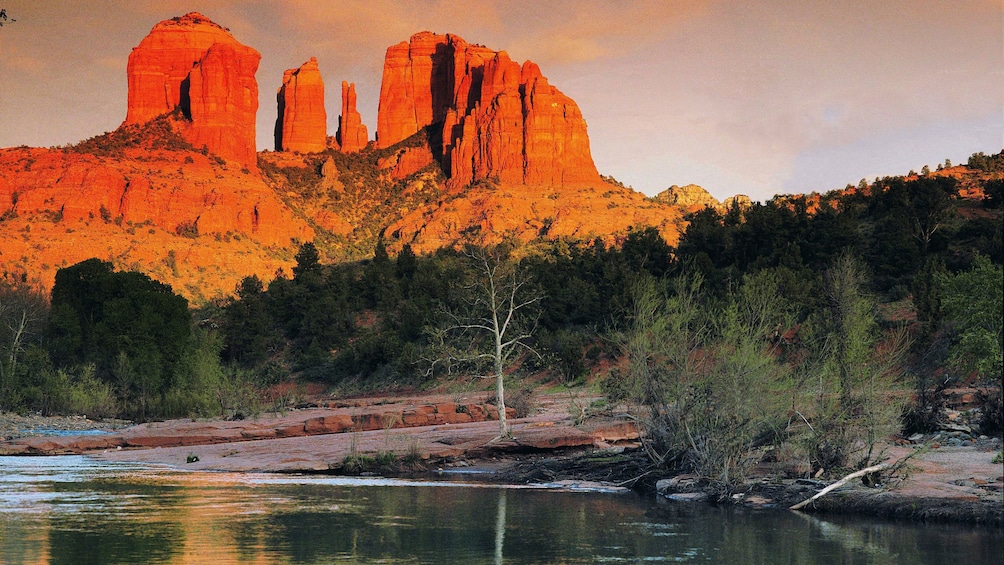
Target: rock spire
{"points": [[302, 123], [352, 134]]}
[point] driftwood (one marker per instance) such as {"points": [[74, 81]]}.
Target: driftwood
{"points": [[840, 483]]}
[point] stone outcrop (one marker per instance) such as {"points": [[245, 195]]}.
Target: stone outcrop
{"points": [[693, 198], [352, 133], [302, 123], [499, 119], [406, 162], [192, 64]]}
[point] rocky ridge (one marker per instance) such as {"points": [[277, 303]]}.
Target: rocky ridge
{"points": [[142, 199]]}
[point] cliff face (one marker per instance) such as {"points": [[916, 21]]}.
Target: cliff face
{"points": [[182, 217], [302, 123], [498, 119], [192, 64], [352, 134]]}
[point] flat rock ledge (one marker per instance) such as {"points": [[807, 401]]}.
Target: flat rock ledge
{"points": [[334, 438]]}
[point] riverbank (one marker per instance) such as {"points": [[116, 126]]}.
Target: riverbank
{"points": [[16, 426], [948, 478]]}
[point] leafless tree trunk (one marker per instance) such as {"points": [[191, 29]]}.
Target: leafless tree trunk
{"points": [[500, 307]]}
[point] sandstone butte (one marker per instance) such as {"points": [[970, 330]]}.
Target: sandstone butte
{"points": [[352, 133], [192, 64], [144, 201], [498, 119], [302, 123]]}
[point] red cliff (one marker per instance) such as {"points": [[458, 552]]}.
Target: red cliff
{"points": [[192, 64], [498, 119], [302, 124], [352, 133]]}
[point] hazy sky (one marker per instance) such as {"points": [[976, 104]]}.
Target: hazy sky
{"points": [[739, 96]]}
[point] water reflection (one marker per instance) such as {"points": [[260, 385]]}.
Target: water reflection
{"points": [[72, 510]]}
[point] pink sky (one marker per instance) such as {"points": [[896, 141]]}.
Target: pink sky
{"points": [[744, 97]]}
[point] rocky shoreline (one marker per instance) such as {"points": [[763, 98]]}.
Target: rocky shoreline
{"points": [[15, 426], [951, 477]]}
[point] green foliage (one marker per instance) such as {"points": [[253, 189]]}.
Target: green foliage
{"points": [[974, 302], [710, 373], [23, 315], [134, 329], [987, 163], [854, 374]]}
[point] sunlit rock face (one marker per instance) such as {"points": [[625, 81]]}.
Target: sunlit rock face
{"points": [[499, 119], [192, 64], [302, 123], [352, 134]]}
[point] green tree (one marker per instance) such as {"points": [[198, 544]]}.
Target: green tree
{"points": [[857, 371], [23, 313], [710, 375], [133, 328], [974, 301]]}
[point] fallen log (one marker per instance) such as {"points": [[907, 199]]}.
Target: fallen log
{"points": [[840, 483]]}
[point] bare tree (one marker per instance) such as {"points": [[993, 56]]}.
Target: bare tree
{"points": [[498, 319], [22, 314], [3, 17]]}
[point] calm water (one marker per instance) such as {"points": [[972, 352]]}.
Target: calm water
{"points": [[76, 510]]}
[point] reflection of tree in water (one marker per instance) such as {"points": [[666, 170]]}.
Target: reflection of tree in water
{"points": [[500, 527]]}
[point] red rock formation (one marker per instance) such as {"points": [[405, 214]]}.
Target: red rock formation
{"points": [[406, 162], [179, 215], [352, 134], [499, 120], [193, 64], [302, 123], [422, 81]]}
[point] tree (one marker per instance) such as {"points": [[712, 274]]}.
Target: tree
{"points": [[713, 381], [499, 317], [22, 317], [974, 300], [857, 370], [930, 207], [132, 327]]}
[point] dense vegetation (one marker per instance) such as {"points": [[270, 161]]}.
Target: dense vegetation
{"points": [[796, 324]]}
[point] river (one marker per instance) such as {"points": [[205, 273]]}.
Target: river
{"points": [[73, 509]]}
